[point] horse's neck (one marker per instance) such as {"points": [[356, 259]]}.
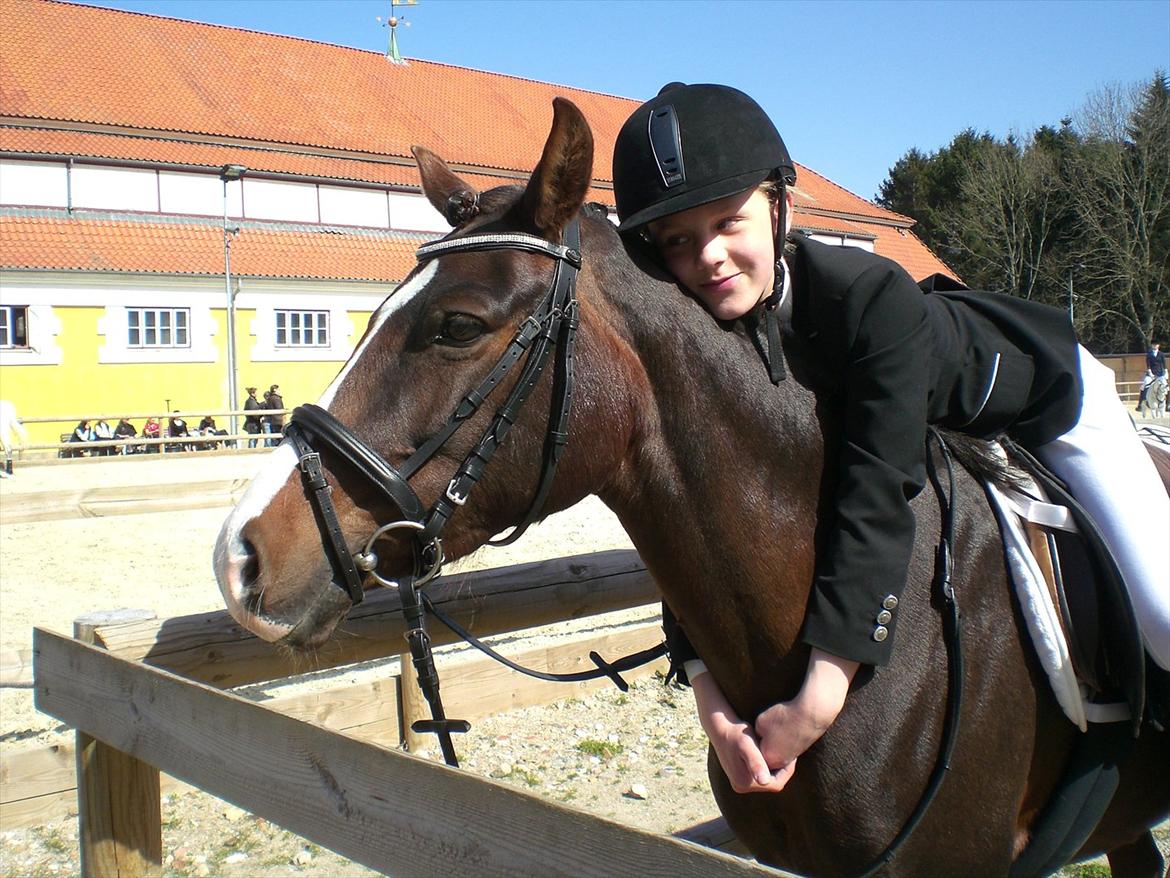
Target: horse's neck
{"points": [[720, 489]]}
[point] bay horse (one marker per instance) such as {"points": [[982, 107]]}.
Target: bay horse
{"points": [[718, 477]]}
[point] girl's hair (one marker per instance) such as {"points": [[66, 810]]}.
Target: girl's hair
{"points": [[773, 189]]}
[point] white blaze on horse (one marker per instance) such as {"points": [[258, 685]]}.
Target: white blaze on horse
{"points": [[717, 476]]}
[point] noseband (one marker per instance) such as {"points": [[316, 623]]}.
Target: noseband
{"points": [[554, 323]]}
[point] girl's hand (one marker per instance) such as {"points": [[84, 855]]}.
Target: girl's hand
{"points": [[787, 729], [734, 741]]}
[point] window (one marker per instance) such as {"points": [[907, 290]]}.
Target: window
{"points": [[302, 329], [13, 326], [157, 327]]}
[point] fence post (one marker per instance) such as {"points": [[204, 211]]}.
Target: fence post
{"points": [[412, 704], [119, 810]]}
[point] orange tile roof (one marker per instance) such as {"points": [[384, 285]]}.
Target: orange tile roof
{"points": [[811, 223], [285, 105], [816, 190], [89, 65], [50, 243], [904, 247]]}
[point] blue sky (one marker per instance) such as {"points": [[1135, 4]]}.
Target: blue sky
{"points": [[851, 85]]}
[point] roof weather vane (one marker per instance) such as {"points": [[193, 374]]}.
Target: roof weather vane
{"points": [[392, 53]]}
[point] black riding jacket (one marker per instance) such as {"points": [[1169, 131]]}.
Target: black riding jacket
{"points": [[896, 359]]}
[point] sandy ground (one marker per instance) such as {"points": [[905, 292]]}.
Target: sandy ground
{"points": [[53, 572]]}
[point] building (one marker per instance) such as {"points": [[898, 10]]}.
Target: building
{"points": [[136, 152]]}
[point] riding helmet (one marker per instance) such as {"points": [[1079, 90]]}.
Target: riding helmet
{"points": [[691, 145]]}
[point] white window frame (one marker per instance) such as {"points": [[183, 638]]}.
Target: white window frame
{"points": [[201, 329], [166, 320], [8, 319], [344, 307], [42, 329], [299, 322]]}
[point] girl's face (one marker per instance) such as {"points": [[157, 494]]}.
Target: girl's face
{"points": [[723, 252]]}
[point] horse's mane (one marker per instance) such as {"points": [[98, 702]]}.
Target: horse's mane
{"points": [[980, 458]]}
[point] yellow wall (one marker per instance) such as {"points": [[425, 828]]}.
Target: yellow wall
{"points": [[80, 385]]}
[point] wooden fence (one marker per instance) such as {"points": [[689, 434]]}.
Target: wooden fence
{"points": [[148, 696]]}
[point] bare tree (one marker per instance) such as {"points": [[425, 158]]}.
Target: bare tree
{"points": [[1120, 194], [1005, 219]]}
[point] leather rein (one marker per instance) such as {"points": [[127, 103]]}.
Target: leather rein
{"points": [[552, 326]]}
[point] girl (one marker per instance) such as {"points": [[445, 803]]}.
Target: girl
{"points": [[700, 177]]}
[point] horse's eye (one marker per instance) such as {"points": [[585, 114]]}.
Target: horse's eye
{"points": [[459, 329]]}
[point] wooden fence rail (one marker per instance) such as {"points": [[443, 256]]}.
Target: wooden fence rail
{"points": [[120, 500], [39, 784], [341, 792], [234, 441], [213, 648]]}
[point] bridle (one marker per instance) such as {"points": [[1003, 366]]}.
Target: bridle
{"points": [[553, 324]]}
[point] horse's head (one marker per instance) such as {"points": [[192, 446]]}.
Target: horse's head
{"points": [[440, 338]]}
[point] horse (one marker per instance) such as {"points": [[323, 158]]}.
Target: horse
{"points": [[719, 478], [1153, 402]]}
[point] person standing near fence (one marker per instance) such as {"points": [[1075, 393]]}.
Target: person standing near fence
{"points": [[273, 423], [252, 422]]}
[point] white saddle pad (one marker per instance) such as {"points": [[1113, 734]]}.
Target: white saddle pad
{"points": [[1013, 507]]}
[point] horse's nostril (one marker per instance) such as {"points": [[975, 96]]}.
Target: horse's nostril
{"points": [[249, 570]]}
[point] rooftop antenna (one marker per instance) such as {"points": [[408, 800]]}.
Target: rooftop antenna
{"points": [[392, 53]]}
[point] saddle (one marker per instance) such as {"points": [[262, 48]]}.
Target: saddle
{"points": [[1082, 622], [1072, 596]]}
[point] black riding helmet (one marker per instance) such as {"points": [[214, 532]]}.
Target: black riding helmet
{"points": [[691, 145]]}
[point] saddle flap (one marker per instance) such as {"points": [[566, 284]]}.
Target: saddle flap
{"points": [[1104, 644]]}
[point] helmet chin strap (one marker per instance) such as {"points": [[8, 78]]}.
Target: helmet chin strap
{"points": [[775, 356]]}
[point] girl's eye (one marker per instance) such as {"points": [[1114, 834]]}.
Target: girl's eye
{"points": [[728, 223], [673, 241], [459, 330]]}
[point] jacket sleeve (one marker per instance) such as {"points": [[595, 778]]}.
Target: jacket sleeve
{"points": [[678, 646], [861, 569]]}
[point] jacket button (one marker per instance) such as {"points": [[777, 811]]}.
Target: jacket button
{"points": [[890, 602], [880, 633], [884, 617]]}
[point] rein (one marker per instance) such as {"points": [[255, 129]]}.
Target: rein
{"points": [[944, 560], [554, 324]]}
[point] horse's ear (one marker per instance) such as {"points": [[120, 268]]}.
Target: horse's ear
{"points": [[558, 185], [451, 196]]}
